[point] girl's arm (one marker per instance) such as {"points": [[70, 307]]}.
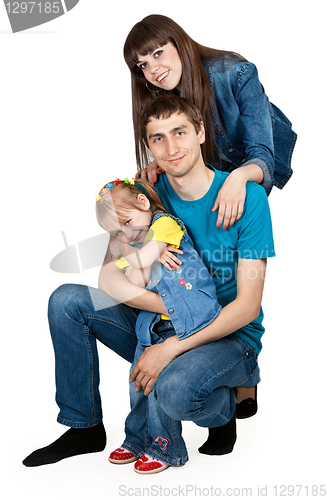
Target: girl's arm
{"points": [[115, 283], [141, 260], [137, 274], [144, 257], [138, 277], [156, 247]]}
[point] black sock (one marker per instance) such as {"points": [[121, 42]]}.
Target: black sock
{"points": [[220, 440], [73, 442]]}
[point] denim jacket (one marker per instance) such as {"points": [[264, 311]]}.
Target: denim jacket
{"points": [[248, 128], [188, 293]]}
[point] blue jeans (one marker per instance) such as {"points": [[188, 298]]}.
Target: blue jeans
{"points": [[196, 386], [148, 429], [75, 326]]}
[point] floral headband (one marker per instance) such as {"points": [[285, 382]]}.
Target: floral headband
{"points": [[110, 186]]}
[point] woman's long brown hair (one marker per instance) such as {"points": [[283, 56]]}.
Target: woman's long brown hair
{"points": [[156, 31]]}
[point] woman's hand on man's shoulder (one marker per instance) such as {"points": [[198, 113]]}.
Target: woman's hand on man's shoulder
{"points": [[149, 173]]}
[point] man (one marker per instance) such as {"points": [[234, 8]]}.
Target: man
{"points": [[195, 376]]}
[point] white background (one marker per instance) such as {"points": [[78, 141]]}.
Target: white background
{"points": [[65, 118]]}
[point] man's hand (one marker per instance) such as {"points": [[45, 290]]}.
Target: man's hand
{"points": [[152, 361]]}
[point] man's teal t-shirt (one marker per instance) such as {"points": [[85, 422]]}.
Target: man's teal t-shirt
{"points": [[249, 238]]}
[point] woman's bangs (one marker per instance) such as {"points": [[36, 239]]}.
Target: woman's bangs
{"points": [[143, 42]]}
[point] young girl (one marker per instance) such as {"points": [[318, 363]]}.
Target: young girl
{"points": [[143, 237]]}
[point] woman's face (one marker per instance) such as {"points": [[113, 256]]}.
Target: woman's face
{"points": [[162, 67]]}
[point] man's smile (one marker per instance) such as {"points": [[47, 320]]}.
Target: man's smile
{"points": [[176, 160]]}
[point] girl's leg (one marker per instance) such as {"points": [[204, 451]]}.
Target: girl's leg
{"points": [[165, 435], [148, 428], [136, 438]]}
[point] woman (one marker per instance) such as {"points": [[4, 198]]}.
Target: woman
{"points": [[243, 128]]}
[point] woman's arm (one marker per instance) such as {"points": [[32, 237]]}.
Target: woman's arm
{"points": [[149, 173], [231, 197], [255, 124]]}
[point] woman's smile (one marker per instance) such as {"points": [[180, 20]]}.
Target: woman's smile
{"points": [[162, 78]]}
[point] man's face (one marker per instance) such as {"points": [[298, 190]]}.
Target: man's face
{"points": [[174, 144]]}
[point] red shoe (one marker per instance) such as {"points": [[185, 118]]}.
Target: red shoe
{"points": [[149, 465], [122, 456]]}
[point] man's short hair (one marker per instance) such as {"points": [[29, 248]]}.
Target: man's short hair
{"points": [[166, 105]]}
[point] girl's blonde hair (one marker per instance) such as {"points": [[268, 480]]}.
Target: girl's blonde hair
{"points": [[117, 198]]}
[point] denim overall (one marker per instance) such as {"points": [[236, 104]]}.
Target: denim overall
{"points": [[190, 298], [188, 293]]}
